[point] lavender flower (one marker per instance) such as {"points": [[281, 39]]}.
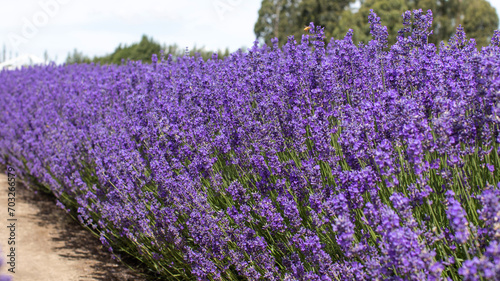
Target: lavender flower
{"points": [[311, 161]]}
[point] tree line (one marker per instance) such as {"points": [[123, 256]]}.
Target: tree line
{"points": [[143, 50], [281, 18]]}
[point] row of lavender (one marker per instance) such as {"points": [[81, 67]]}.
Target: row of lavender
{"points": [[307, 162]]}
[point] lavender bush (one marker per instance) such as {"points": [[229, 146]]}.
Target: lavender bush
{"points": [[306, 162]]}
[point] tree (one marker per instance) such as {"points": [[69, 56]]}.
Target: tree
{"points": [[478, 18], [389, 11], [137, 51], [278, 18], [147, 47], [445, 14], [281, 18], [326, 13], [480, 21], [143, 51]]}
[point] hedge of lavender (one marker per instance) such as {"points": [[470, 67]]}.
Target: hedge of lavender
{"points": [[306, 162]]}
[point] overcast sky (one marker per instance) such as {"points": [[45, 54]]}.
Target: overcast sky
{"points": [[98, 27]]}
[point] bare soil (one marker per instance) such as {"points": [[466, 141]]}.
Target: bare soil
{"points": [[50, 245]]}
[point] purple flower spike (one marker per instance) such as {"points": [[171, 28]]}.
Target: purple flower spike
{"points": [[495, 39], [378, 31], [490, 167], [457, 218]]}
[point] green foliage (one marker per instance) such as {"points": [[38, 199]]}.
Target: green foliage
{"points": [[137, 51], [281, 18], [389, 12], [326, 13], [446, 17], [142, 51], [480, 20], [432, 211], [278, 18]]}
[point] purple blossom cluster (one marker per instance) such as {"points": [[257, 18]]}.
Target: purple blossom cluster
{"points": [[4, 277], [312, 161]]}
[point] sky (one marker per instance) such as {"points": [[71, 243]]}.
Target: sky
{"points": [[96, 28]]}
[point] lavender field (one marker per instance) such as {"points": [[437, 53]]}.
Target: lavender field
{"points": [[313, 161]]}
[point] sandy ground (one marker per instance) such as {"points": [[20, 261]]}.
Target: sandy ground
{"points": [[49, 244]]}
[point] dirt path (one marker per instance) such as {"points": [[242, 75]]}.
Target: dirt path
{"points": [[49, 245]]}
